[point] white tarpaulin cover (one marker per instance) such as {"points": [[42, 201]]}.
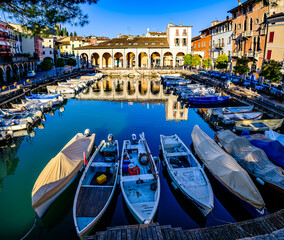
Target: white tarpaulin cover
{"points": [[251, 158], [225, 168], [62, 168]]}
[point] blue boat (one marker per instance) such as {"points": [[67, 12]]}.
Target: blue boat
{"points": [[273, 149], [208, 100], [42, 96]]}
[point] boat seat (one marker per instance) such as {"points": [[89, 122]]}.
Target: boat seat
{"points": [[101, 164], [177, 154], [137, 177]]}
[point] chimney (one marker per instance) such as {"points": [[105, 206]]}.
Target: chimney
{"points": [[148, 30], [180, 24], [240, 2]]}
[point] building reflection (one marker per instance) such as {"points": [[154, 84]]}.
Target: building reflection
{"points": [[136, 90], [8, 161]]}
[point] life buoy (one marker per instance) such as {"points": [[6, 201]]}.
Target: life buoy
{"points": [[141, 159], [23, 108]]}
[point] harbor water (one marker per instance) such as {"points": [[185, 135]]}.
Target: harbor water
{"points": [[121, 108]]}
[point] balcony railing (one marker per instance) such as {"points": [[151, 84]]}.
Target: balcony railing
{"points": [[247, 34], [251, 54], [235, 36], [237, 54], [262, 32], [219, 45]]}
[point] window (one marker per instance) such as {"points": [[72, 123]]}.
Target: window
{"points": [[184, 32], [66, 47], [177, 41], [49, 46], [271, 37], [177, 32], [229, 40], [268, 57], [213, 42], [72, 45], [239, 26], [229, 53], [234, 15], [49, 40], [43, 52], [146, 43], [204, 44], [199, 45], [50, 52], [184, 41], [194, 45], [79, 45], [256, 21], [161, 43]]}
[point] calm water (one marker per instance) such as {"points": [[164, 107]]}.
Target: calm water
{"points": [[123, 115]]}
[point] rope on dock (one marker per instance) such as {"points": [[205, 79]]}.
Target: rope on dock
{"points": [[27, 234]]}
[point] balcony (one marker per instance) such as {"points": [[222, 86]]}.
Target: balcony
{"points": [[247, 34], [219, 45], [262, 32], [237, 54], [252, 54], [235, 36]]}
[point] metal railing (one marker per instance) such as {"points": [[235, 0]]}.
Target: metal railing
{"points": [[247, 34]]}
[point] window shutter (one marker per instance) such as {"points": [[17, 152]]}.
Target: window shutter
{"points": [[268, 57], [271, 37]]}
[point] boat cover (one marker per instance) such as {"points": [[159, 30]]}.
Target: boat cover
{"points": [[251, 158], [275, 136], [62, 168], [225, 168], [273, 149]]}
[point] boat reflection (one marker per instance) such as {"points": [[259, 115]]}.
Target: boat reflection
{"points": [[137, 90]]}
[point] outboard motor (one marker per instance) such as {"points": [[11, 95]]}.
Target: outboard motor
{"points": [[87, 132], [110, 138], [134, 139]]}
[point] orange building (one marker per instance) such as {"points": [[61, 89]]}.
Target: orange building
{"points": [[249, 33], [201, 44]]}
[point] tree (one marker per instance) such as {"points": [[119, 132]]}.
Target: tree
{"points": [[58, 31], [72, 62], [60, 63], [71, 34], [37, 15], [241, 66], [75, 34], [64, 32], [222, 62], [271, 70], [207, 63], [46, 65], [196, 60], [188, 59]]}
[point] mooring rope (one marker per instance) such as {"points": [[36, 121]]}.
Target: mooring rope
{"points": [[30, 229]]}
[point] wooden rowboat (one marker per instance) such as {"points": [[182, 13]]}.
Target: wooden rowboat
{"points": [[96, 187], [258, 125], [186, 173], [230, 118]]}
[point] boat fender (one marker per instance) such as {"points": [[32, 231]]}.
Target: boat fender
{"points": [[143, 159], [174, 186], [260, 181], [153, 186], [23, 108]]}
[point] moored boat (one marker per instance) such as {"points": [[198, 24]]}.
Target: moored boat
{"points": [[139, 180], [226, 169], [222, 110], [207, 100], [252, 159], [258, 125], [60, 90], [273, 149], [275, 136], [61, 171], [230, 118], [186, 173], [55, 99], [96, 187]]}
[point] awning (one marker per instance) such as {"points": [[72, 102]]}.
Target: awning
{"points": [[2, 43]]}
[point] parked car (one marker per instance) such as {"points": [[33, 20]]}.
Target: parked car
{"points": [[31, 74]]}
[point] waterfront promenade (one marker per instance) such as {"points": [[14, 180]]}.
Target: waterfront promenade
{"points": [[270, 227]]}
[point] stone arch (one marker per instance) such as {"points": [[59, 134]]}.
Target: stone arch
{"points": [[155, 59], [180, 59], [2, 76], [155, 87], [106, 59], [9, 73], [143, 59], [97, 86], [95, 60], [84, 60], [131, 88], [143, 87], [15, 70], [168, 59], [118, 59], [130, 58]]}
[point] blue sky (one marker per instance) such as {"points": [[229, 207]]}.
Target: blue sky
{"points": [[109, 17]]}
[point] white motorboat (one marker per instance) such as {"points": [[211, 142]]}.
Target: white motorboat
{"points": [[139, 180], [186, 173]]}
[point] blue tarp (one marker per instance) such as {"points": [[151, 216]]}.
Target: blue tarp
{"points": [[273, 149]]}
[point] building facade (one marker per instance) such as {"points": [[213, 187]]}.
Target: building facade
{"points": [[222, 42], [49, 49], [68, 44], [249, 32], [139, 52]]}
